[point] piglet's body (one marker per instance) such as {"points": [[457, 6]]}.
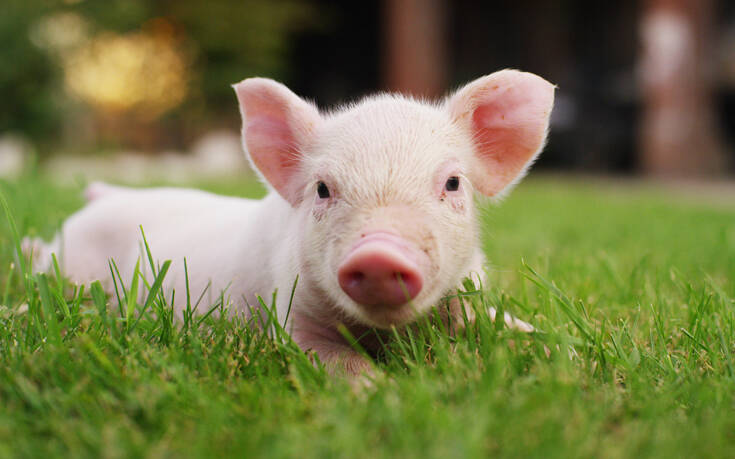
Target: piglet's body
{"points": [[371, 207]]}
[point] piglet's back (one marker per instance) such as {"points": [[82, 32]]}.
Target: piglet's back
{"points": [[109, 227]]}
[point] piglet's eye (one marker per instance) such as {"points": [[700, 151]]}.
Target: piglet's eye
{"points": [[322, 190], [452, 184]]}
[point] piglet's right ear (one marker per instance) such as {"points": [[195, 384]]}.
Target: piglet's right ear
{"points": [[507, 116], [276, 126]]}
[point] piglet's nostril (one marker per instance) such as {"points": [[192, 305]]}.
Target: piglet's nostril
{"points": [[405, 280], [353, 278]]}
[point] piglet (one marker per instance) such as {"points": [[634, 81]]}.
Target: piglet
{"points": [[370, 205]]}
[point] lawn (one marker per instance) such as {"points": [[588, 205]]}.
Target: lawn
{"points": [[633, 292]]}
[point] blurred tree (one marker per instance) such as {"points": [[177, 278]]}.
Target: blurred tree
{"points": [[230, 40], [222, 41], [235, 40], [225, 40], [28, 77]]}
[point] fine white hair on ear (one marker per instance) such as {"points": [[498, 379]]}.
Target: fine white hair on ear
{"points": [[506, 114], [276, 127]]}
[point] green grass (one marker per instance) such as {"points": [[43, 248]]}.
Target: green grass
{"points": [[632, 290]]}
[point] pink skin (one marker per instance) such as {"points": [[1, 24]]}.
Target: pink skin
{"points": [[380, 272]]}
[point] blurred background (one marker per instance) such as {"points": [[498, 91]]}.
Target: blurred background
{"points": [[123, 89]]}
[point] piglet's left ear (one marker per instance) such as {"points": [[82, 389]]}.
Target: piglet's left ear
{"points": [[507, 116]]}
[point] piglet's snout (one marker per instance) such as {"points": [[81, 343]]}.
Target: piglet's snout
{"points": [[381, 271]]}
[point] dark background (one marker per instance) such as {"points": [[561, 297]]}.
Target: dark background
{"points": [[334, 52]]}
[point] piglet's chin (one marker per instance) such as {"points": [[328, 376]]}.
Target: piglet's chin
{"points": [[382, 274]]}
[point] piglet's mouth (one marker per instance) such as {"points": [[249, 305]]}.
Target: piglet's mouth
{"points": [[381, 272]]}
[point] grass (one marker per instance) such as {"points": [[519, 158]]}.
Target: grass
{"points": [[633, 291]]}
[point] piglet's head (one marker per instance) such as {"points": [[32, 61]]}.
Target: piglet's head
{"points": [[382, 190]]}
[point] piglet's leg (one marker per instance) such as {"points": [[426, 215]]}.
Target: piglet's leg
{"points": [[454, 310], [478, 275], [511, 322], [457, 320]]}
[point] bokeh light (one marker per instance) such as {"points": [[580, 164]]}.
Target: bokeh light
{"points": [[144, 72]]}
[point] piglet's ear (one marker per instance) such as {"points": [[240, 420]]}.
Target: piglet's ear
{"points": [[507, 116], [276, 127]]}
